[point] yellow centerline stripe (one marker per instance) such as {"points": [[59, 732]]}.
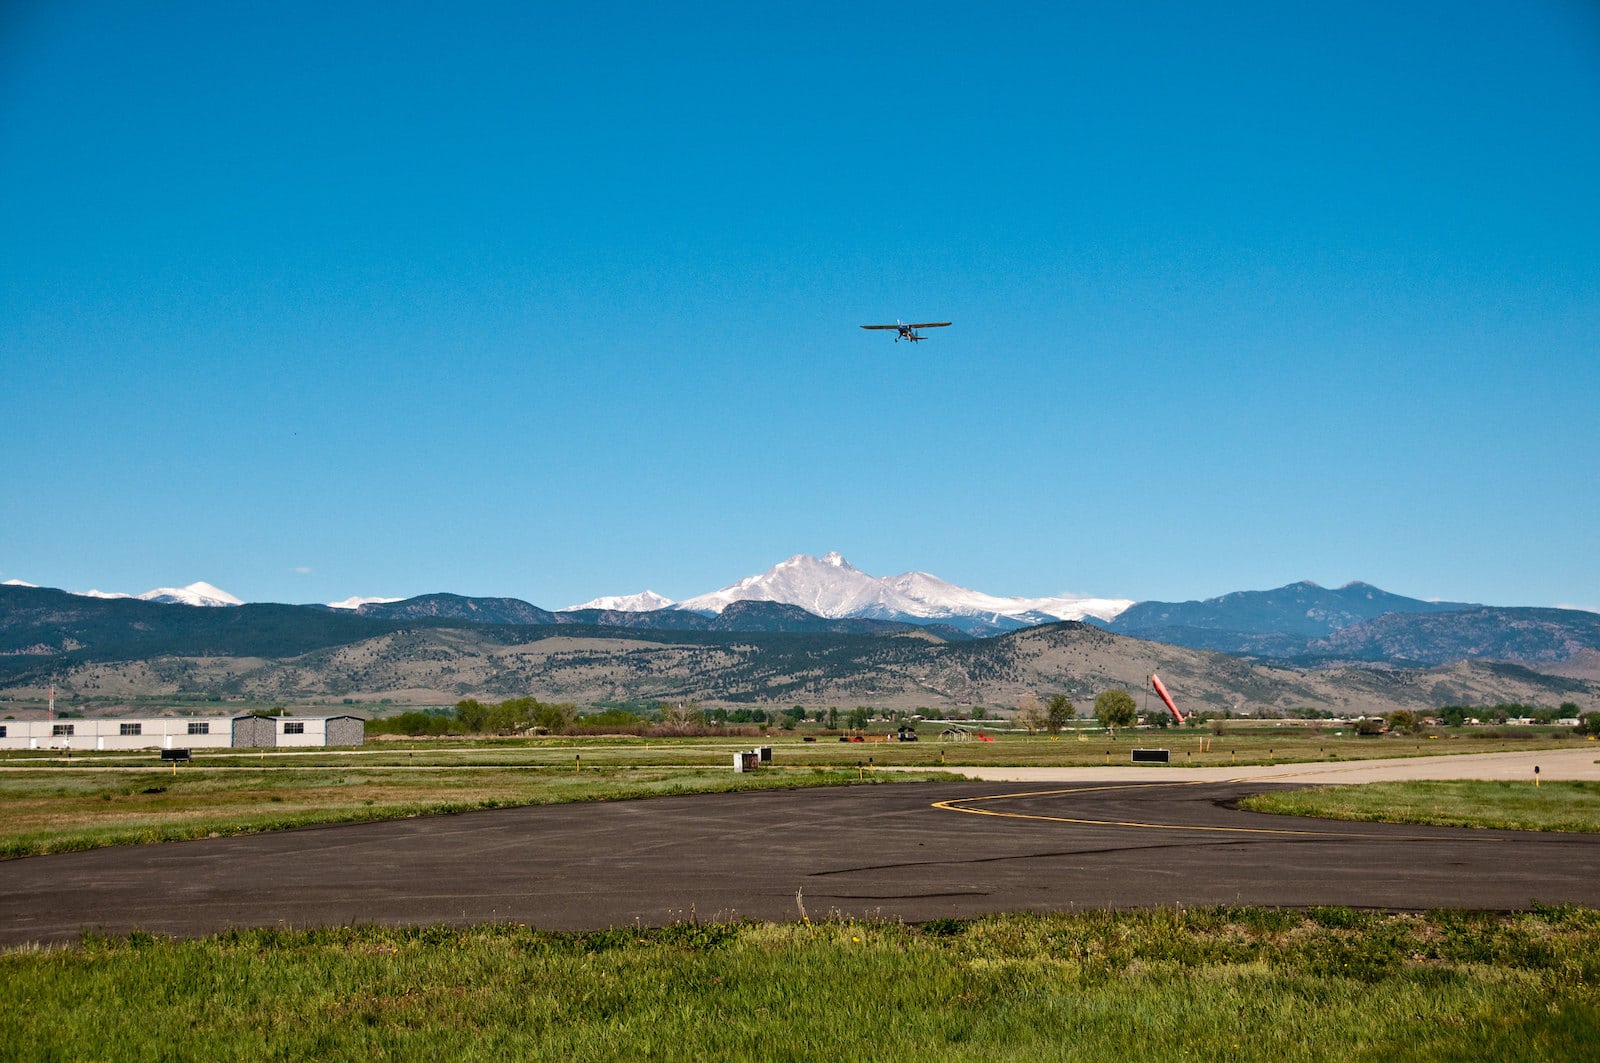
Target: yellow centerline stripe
{"points": [[956, 805]]}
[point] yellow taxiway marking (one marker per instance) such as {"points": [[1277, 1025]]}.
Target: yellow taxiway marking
{"points": [[957, 805]]}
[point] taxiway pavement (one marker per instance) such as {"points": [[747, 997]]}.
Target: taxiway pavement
{"points": [[908, 851]]}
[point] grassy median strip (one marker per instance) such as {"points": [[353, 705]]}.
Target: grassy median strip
{"points": [[1553, 806], [1204, 984], [59, 811]]}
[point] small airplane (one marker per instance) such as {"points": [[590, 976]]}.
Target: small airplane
{"points": [[909, 332]]}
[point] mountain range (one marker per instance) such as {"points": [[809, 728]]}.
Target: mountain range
{"points": [[827, 586], [1305, 624], [103, 653], [200, 593], [830, 586], [1301, 624]]}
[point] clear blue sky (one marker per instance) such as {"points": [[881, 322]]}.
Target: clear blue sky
{"points": [[552, 301]]}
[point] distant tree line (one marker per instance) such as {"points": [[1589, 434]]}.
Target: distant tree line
{"points": [[1458, 715], [530, 715], [471, 716], [1113, 709]]}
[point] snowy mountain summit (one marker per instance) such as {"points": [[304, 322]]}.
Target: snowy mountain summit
{"points": [[832, 587], [643, 602], [356, 602], [198, 593]]}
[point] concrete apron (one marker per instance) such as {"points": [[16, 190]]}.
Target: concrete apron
{"points": [[1568, 764]]}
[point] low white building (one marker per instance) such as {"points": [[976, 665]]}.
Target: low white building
{"points": [[257, 731], [183, 732]]}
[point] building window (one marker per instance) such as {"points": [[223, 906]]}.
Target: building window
{"points": [[61, 730], [297, 728], [2, 730], [197, 727], [132, 728]]}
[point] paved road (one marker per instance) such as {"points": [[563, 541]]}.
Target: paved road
{"points": [[910, 851]]}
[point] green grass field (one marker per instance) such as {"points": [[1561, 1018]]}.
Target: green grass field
{"points": [[1245, 984], [1556, 806]]}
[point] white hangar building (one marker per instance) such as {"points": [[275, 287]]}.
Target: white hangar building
{"points": [[184, 732]]}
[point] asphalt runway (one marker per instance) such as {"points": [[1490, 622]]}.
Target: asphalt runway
{"points": [[908, 851]]}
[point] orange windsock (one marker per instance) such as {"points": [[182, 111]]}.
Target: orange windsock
{"points": [[1161, 692]]}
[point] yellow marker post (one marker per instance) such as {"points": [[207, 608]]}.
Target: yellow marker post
{"points": [[1536, 776], [577, 762]]}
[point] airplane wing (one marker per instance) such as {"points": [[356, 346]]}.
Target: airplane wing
{"points": [[880, 326], [930, 324]]}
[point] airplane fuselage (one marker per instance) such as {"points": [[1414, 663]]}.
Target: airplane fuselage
{"points": [[904, 331]]}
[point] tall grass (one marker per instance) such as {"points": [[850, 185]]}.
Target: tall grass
{"points": [[1186, 985]]}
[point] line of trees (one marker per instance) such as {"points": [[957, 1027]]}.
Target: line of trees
{"points": [[530, 715], [1458, 715], [1113, 709], [471, 716]]}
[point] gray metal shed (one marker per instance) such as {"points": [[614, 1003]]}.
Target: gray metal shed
{"points": [[346, 731], [255, 731]]}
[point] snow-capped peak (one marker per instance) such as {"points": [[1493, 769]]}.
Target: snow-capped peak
{"points": [[935, 594], [18, 583], [830, 586], [357, 603], [643, 602], [198, 593]]}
